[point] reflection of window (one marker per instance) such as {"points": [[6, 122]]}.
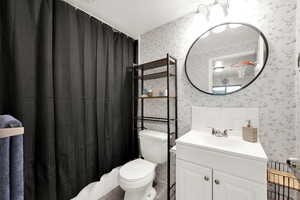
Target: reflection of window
{"points": [[219, 90], [225, 89]]}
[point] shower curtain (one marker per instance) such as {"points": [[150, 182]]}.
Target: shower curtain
{"points": [[64, 75]]}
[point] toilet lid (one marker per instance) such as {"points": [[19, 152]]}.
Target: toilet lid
{"points": [[137, 169]]}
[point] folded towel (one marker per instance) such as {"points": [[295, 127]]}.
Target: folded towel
{"points": [[11, 168], [16, 173], [8, 121], [4, 166]]}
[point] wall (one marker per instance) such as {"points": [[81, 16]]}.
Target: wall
{"points": [[273, 92], [298, 79]]}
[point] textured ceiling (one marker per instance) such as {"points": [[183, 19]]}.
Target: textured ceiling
{"points": [[135, 17]]}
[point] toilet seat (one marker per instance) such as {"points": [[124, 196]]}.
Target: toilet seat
{"points": [[137, 170], [136, 174]]}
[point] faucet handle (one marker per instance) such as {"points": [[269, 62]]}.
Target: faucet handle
{"points": [[220, 133], [213, 130], [226, 132]]}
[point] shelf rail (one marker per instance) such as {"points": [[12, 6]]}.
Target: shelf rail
{"points": [[165, 63], [9, 132], [282, 183]]}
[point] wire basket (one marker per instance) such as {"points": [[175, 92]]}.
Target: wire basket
{"points": [[282, 183]]}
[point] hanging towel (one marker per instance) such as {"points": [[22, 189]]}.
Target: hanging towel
{"points": [[16, 168], [7, 121], [4, 169], [11, 162]]}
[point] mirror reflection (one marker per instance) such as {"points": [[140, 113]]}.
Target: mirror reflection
{"points": [[226, 58]]}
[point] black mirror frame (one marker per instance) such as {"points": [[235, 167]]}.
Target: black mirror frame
{"points": [[227, 23]]}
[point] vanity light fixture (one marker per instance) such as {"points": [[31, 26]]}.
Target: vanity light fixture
{"points": [[217, 11], [202, 12], [214, 12]]}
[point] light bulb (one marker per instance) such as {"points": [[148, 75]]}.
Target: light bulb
{"points": [[216, 13], [200, 19], [201, 14], [239, 9]]}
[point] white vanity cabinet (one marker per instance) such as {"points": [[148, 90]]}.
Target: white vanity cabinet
{"points": [[227, 187], [193, 182], [210, 168]]}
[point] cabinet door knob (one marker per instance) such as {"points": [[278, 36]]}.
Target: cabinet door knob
{"points": [[206, 178], [217, 182]]}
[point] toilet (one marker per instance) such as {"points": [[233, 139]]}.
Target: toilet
{"points": [[136, 177]]}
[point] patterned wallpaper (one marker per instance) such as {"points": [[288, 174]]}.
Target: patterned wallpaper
{"points": [[273, 92], [297, 79]]}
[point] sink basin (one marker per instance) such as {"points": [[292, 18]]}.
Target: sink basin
{"points": [[234, 145]]}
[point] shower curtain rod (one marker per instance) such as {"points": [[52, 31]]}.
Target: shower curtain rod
{"points": [[92, 14]]}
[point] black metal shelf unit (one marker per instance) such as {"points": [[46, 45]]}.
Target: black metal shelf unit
{"points": [[166, 64]]}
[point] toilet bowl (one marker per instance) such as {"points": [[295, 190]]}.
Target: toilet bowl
{"points": [[136, 177]]}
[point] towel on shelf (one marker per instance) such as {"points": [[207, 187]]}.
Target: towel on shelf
{"points": [[11, 162], [4, 166], [16, 168], [8, 121]]}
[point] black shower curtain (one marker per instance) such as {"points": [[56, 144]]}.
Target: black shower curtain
{"points": [[64, 74]]}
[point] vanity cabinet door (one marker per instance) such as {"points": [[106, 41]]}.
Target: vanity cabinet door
{"points": [[193, 182], [226, 187]]}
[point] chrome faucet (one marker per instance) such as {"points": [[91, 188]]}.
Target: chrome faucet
{"points": [[219, 133]]}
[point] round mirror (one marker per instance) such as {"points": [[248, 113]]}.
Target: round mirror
{"points": [[226, 58]]}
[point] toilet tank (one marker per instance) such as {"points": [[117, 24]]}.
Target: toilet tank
{"points": [[154, 146]]}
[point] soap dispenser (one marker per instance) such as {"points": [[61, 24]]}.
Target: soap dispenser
{"points": [[249, 132]]}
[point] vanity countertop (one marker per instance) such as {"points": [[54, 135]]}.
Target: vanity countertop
{"points": [[232, 145]]}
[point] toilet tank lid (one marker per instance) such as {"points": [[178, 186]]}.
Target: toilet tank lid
{"points": [[154, 135]]}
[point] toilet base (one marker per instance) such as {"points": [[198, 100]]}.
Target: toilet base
{"points": [[148, 194], [151, 194]]}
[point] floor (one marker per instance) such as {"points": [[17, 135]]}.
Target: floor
{"points": [[118, 194], [159, 183]]}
